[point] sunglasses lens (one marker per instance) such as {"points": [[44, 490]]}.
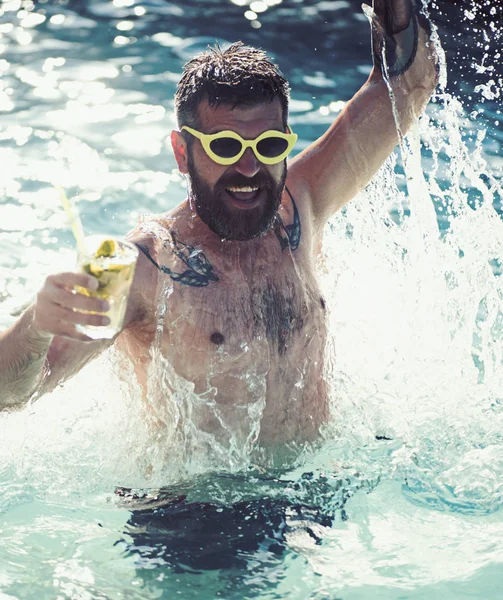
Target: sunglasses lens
{"points": [[226, 147], [272, 147]]}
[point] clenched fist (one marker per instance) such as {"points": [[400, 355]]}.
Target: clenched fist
{"points": [[394, 15], [395, 33]]}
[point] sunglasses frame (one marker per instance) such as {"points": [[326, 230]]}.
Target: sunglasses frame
{"points": [[207, 138]]}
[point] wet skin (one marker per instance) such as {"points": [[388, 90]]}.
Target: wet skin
{"points": [[246, 323]]}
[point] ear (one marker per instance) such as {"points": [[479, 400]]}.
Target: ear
{"points": [[179, 146]]}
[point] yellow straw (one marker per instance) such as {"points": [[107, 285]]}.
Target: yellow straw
{"points": [[74, 219]]}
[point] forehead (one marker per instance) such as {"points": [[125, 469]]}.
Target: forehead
{"points": [[256, 118]]}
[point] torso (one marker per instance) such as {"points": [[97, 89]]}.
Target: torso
{"points": [[245, 327]]}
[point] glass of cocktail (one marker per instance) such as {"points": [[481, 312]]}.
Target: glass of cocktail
{"points": [[112, 261]]}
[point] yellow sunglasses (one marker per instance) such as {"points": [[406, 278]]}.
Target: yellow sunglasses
{"points": [[227, 147]]}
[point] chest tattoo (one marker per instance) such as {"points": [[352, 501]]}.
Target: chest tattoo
{"points": [[275, 311], [199, 272]]}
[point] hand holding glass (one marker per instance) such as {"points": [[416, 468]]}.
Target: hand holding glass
{"points": [[112, 262]]}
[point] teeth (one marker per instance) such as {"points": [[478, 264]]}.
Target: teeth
{"points": [[243, 189]]}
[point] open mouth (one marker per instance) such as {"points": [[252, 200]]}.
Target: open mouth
{"points": [[244, 195]]}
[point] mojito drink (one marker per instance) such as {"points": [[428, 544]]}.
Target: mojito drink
{"points": [[112, 262]]}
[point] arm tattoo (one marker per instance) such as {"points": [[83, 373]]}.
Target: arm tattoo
{"points": [[199, 272], [291, 236]]}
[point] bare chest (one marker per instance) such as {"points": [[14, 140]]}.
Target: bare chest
{"points": [[260, 320], [244, 335]]}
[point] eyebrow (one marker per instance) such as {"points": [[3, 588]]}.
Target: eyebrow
{"points": [[219, 130]]}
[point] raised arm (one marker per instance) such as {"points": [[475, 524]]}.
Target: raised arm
{"points": [[337, 166]]}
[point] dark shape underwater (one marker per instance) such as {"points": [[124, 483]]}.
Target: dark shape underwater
{"points": [[208, 536]]}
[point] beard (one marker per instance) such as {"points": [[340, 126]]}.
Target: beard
{"points": [[229, 222]]}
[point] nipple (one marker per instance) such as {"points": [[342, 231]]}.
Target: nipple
{"points": [[217, 338]]}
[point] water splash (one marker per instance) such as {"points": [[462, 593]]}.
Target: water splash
{"points": [[194, 433], [414, 285], [413, 280], [417, 295]]}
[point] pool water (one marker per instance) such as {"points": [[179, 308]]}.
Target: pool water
{"points": [[401, 497]]}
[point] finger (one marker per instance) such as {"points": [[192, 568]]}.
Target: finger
{"points": [[69, 332], [70, 280], [393, 14], [379, 7], [61, 314], [51, 299], [74, 300], [400, 14], [66, 330]]}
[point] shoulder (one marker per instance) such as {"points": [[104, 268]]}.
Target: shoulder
{"points": [[154, 234], [149, 236]]}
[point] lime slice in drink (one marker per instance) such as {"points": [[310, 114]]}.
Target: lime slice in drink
{"points": [[106, 249]]}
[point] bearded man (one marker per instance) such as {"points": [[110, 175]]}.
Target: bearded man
{"points": [[244, 319]]}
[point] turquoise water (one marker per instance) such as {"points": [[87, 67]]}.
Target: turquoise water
{"points": [[401, 498]]}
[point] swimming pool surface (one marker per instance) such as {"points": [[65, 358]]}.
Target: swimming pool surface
{"points": [[401, 497]]}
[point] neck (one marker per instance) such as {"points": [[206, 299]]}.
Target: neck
{"points": [[193, 228]]}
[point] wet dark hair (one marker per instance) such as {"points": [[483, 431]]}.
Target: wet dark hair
{"points": [[238, 76]]}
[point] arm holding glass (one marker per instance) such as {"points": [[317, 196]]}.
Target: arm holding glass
{"points": [[75, 317]]}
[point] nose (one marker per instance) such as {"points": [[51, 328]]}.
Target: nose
{"points": [[248, 165]]}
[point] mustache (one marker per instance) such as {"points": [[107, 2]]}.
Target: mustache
{"points": [[258, 180]]}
